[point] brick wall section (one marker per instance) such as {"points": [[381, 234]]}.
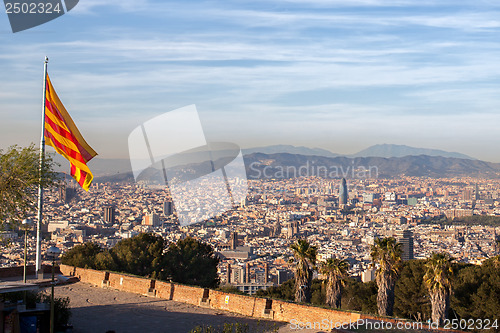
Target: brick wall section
{"points": [[286, 311], [129, 283], [163, 289], [241, 304], [87, 275], [245, 305], [186, 294]]}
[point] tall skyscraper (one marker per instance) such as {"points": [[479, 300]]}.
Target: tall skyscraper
{"points": [[292, 229], [234, 240], [67, 193], [228, 277], [109, 214], [247, 272], [276, 231], [168, 208], [496, 242], [467, 195], [405, 237], [343, 193]]}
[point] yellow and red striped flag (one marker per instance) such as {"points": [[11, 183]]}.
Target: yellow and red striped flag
{"points": [[62, 134]]}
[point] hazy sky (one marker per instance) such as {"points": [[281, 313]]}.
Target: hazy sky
{"points": [[340, 75]]}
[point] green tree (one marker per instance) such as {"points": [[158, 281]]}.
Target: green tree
{"points": [[83, 255], [437, 279], [335, 270], [140, 255], [476, 291], [412, 297], [359, 296], [192, 262], [104, 261], [305, 256], [386, 252], [318, 294], [20, 177], [285, 291]]}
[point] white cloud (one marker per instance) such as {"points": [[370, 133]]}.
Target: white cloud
{"points": [[253, 67]]}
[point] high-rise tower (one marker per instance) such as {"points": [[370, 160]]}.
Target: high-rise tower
{"points": [[343, 193], [405, 237], [234, 240], [167, 208], [109, 214]]}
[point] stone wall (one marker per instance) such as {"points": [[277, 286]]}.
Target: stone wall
{"points": [[245, 305], [321, 318]]}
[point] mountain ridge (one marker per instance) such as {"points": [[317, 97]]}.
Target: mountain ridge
{"points": [[393, 150], [285, 165]]}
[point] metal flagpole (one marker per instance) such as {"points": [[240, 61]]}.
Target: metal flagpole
{"points": [[40, 187]]}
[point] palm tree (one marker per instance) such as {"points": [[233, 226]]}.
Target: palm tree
{"points": [[335, 270], [305, 255], [386, 252], [437, 279], [496, 261]]}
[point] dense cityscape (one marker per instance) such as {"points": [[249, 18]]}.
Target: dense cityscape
{"points": [[341, 217]]}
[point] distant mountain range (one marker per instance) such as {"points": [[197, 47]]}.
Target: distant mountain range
{"points": [[301, 150], [389, 150], [107, 167], [390, 161], [285, 165], [381, 150]]}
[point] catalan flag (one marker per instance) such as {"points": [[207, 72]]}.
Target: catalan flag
{"points": [[62, 134]]}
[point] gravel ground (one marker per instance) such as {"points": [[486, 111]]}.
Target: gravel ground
{"points": [[98, 310]]}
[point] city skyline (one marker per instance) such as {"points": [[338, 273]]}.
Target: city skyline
{"points": [[328, 74]]}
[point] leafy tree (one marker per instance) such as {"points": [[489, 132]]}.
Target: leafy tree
{"points": [[356, 295], [359, 296], [305, 256], [20, 177], [104, 261], [62, 310], [192, 262], [386, 252], [335, 270], [437, 279], [228, 288], [412, 297], [188, 261], [83, 255], [285, 291], [476, 290], [318, 295], [140, 255]]}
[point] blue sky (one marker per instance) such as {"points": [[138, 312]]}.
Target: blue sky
{"points": [[339, 75]]}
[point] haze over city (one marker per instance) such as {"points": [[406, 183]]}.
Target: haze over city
{"points": [[330, 74]]}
